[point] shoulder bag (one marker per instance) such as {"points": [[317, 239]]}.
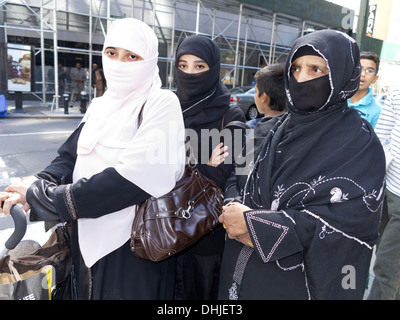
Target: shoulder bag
{"points": [[166, 225]]}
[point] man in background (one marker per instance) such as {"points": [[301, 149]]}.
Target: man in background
{"points": [[98, 80], [78, 77]]}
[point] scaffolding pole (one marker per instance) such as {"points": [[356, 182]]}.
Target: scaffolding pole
{"points": [[42, 54], [245, 51], [90, 48], [198, 16], [237, 45], [171, 68], [272, 38], [55, 45], [213, 24]]}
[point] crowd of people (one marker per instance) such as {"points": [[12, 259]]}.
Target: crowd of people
{"points": [[300, 221], [78, 77]]}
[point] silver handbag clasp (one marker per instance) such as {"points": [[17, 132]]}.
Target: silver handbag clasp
{"points": [[186, 213]]}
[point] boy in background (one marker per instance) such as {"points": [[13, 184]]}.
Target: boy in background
{"points": [[270, 96], [363, 100]]}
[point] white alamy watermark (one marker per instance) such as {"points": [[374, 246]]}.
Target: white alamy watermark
{"points": [[348, 19], [349, 280], [168, 147]]}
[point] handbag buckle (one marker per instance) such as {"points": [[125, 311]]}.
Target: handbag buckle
{"points": [[187, 213]]}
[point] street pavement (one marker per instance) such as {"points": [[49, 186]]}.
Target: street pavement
{"points": [[33, 109], [36, 109]]}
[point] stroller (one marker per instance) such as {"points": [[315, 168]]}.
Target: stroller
{"points": [[39, 275]]}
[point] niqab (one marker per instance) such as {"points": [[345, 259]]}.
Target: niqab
{"points": [[203, 97], [111, 138]]}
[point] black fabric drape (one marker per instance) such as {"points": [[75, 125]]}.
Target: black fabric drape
{"points": [[316, 191], [205, 105]]}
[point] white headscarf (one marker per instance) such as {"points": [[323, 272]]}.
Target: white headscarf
{"points": [[110, 136]]}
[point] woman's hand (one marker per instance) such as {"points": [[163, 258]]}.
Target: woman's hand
{"points": [[8, 199], [3, 197], [218, 155], [232, 218], [16, 193]]}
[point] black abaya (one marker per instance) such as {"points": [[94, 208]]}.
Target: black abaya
{"points": [[315, 193]]}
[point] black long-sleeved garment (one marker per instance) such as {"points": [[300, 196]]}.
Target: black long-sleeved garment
{"points": [[55, 197]]}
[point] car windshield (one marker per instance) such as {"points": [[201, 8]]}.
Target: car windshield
{"points": [[251, 91]]}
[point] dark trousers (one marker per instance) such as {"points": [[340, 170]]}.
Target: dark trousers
{"points": [[386, 285]]}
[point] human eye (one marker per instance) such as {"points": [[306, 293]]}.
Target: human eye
{"points": [[182, 65], [316, 69], [370, 71], [319, 70], [133, 57], [110, 52], [294, 69]]}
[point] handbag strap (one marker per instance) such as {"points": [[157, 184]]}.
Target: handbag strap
{"points": [[14, 271], [234, 123]]}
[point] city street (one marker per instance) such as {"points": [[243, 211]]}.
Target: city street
{"points": [[27, 145]]}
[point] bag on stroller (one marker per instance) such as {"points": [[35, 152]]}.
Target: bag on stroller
{"points": [[36, 275]]}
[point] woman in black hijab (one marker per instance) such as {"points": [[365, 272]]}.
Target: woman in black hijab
{"points": [[307, 214], [205, 105]]}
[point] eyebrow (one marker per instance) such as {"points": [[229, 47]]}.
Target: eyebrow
{"points": [[196, 61], [318, 65]]}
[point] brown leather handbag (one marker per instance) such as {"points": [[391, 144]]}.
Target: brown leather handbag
{"points": [[166, 225]]}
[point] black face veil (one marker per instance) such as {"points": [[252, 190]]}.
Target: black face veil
{"points": [[342, 56], [203, 97]]}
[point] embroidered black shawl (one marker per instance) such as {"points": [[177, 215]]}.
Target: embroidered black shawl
{"points": [[317, 193]]}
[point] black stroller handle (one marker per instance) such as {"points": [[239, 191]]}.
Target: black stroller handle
{"points": [[20, 225]]}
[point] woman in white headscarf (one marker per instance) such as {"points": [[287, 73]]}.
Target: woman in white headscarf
{"points": [[110, 164]]}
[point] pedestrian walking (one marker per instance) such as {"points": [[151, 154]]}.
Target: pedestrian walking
{"points": [[78, 77], [62, 75]]}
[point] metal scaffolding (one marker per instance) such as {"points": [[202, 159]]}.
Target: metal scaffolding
{"points": [[249, 37]]}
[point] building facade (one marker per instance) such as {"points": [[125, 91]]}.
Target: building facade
{"points": [[250, 34]]}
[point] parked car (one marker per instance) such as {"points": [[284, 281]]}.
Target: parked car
{"points": [[237, 90], [245, 101]]}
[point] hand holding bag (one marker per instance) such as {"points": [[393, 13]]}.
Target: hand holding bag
{"points": [[166, 225]]}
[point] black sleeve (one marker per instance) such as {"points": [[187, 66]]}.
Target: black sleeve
{"points": [[221, 173], [54, 197], [61, 168], [232, 192], [273, 234], [103, 193]]}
